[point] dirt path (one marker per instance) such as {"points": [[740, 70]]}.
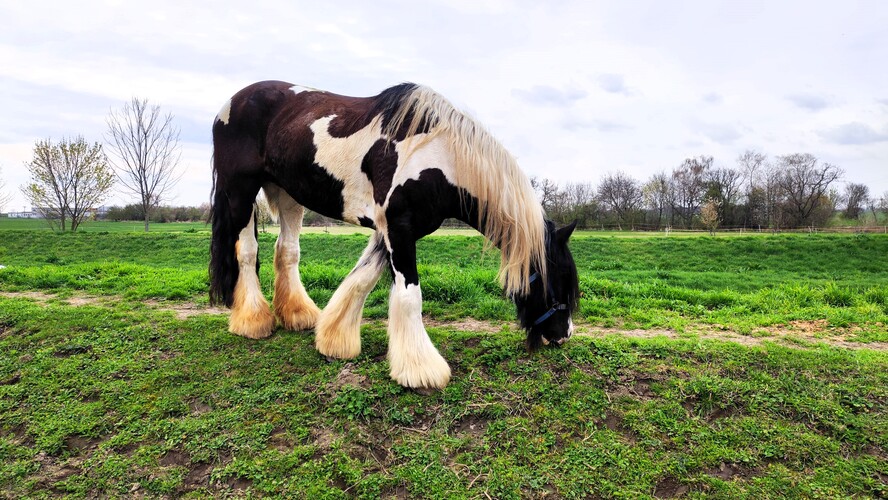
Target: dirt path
{"points": [[798, 334]]}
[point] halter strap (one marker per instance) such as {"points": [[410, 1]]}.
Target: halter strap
{"points": [[550, 312]]}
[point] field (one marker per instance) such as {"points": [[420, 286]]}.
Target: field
{"points": [[746, 366]]}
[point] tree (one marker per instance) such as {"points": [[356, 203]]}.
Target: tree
{"points": [[709, 215], [263, 212], [5, 197], [723, 186], [620, 193], [581, 205], [657, 196], [67, 180], [689, 186], [804, 185], [856, 200], [146, 150]]}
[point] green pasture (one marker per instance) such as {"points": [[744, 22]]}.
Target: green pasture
{"points": [[106, 392]]}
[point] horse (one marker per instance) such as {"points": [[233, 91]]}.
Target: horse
{"points": [[400, 163]]}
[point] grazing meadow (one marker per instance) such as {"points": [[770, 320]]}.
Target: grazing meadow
{"points": [[743, 366]]}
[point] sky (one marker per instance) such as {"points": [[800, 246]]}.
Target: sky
{"points": [[573, 89]]}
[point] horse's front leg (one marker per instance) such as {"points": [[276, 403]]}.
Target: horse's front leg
{"points": [[414, 360], [338, 332]]}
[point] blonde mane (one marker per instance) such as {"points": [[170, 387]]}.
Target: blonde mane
{"points": [[510, 216]]}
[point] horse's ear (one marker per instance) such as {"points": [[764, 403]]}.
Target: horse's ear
{"points": [[564, 233]]}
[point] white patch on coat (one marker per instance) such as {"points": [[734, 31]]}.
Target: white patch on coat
{"points": [[298, 89], [342, 157], [225, 113], [417, 154]]}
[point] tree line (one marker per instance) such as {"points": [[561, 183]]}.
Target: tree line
{"points": [[72, 177], [69, 179], [784, 192]]}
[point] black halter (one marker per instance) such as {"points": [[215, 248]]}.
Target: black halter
{"points": [[556, 306]]}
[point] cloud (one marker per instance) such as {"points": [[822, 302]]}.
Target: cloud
{"points": [[613, 84], [810, 102], [721, 133], [574, 124], [854, 133], [713, 98], [545, 95]]}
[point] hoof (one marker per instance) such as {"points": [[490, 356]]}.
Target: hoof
{"points": [[421, 374], [298, 320], [253, 324], [337, 339]]}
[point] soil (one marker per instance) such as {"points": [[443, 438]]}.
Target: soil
{"points": [[796, 334]]}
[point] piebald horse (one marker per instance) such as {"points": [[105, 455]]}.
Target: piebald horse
{"points": [[400, 163]]}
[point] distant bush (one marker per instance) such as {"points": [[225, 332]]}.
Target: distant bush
{"points": [[161, 214]]}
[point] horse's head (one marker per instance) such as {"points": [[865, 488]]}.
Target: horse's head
{"points": [[545, 312]]}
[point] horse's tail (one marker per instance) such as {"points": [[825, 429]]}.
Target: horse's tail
{"points": [[223, 260]]}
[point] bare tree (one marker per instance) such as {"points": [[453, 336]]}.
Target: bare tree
{"points": [[752, 164], [5, 197], [620, 193], [263, 211], [67, 180], [689, 182], [581, 204], [657, 196], [547, 192], [724, 186], [146, 150], [857, 200], [805, 183]]}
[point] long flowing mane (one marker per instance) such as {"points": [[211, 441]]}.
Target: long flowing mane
{"points": [[509, 214]]}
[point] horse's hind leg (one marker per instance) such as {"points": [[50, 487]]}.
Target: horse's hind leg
{"points": [[338, 333], [250, 315], [293, 307]]}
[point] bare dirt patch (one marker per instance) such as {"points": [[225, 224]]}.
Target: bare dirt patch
{"points": [[784, 335], [670, 487], [280, 440], [347, 376], [53, 471], [175, 458], [185, 310], [198, 407], [727, 472], [197, 477], [465, 325], [471, 426], [816, 331], [80, 443], [43, 298]]}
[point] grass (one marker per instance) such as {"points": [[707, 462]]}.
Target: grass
{"points": [[91, 226], [122, 399], [746, 284]]}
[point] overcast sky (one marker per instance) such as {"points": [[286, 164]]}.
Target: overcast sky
{"points": [[574, 89]]}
